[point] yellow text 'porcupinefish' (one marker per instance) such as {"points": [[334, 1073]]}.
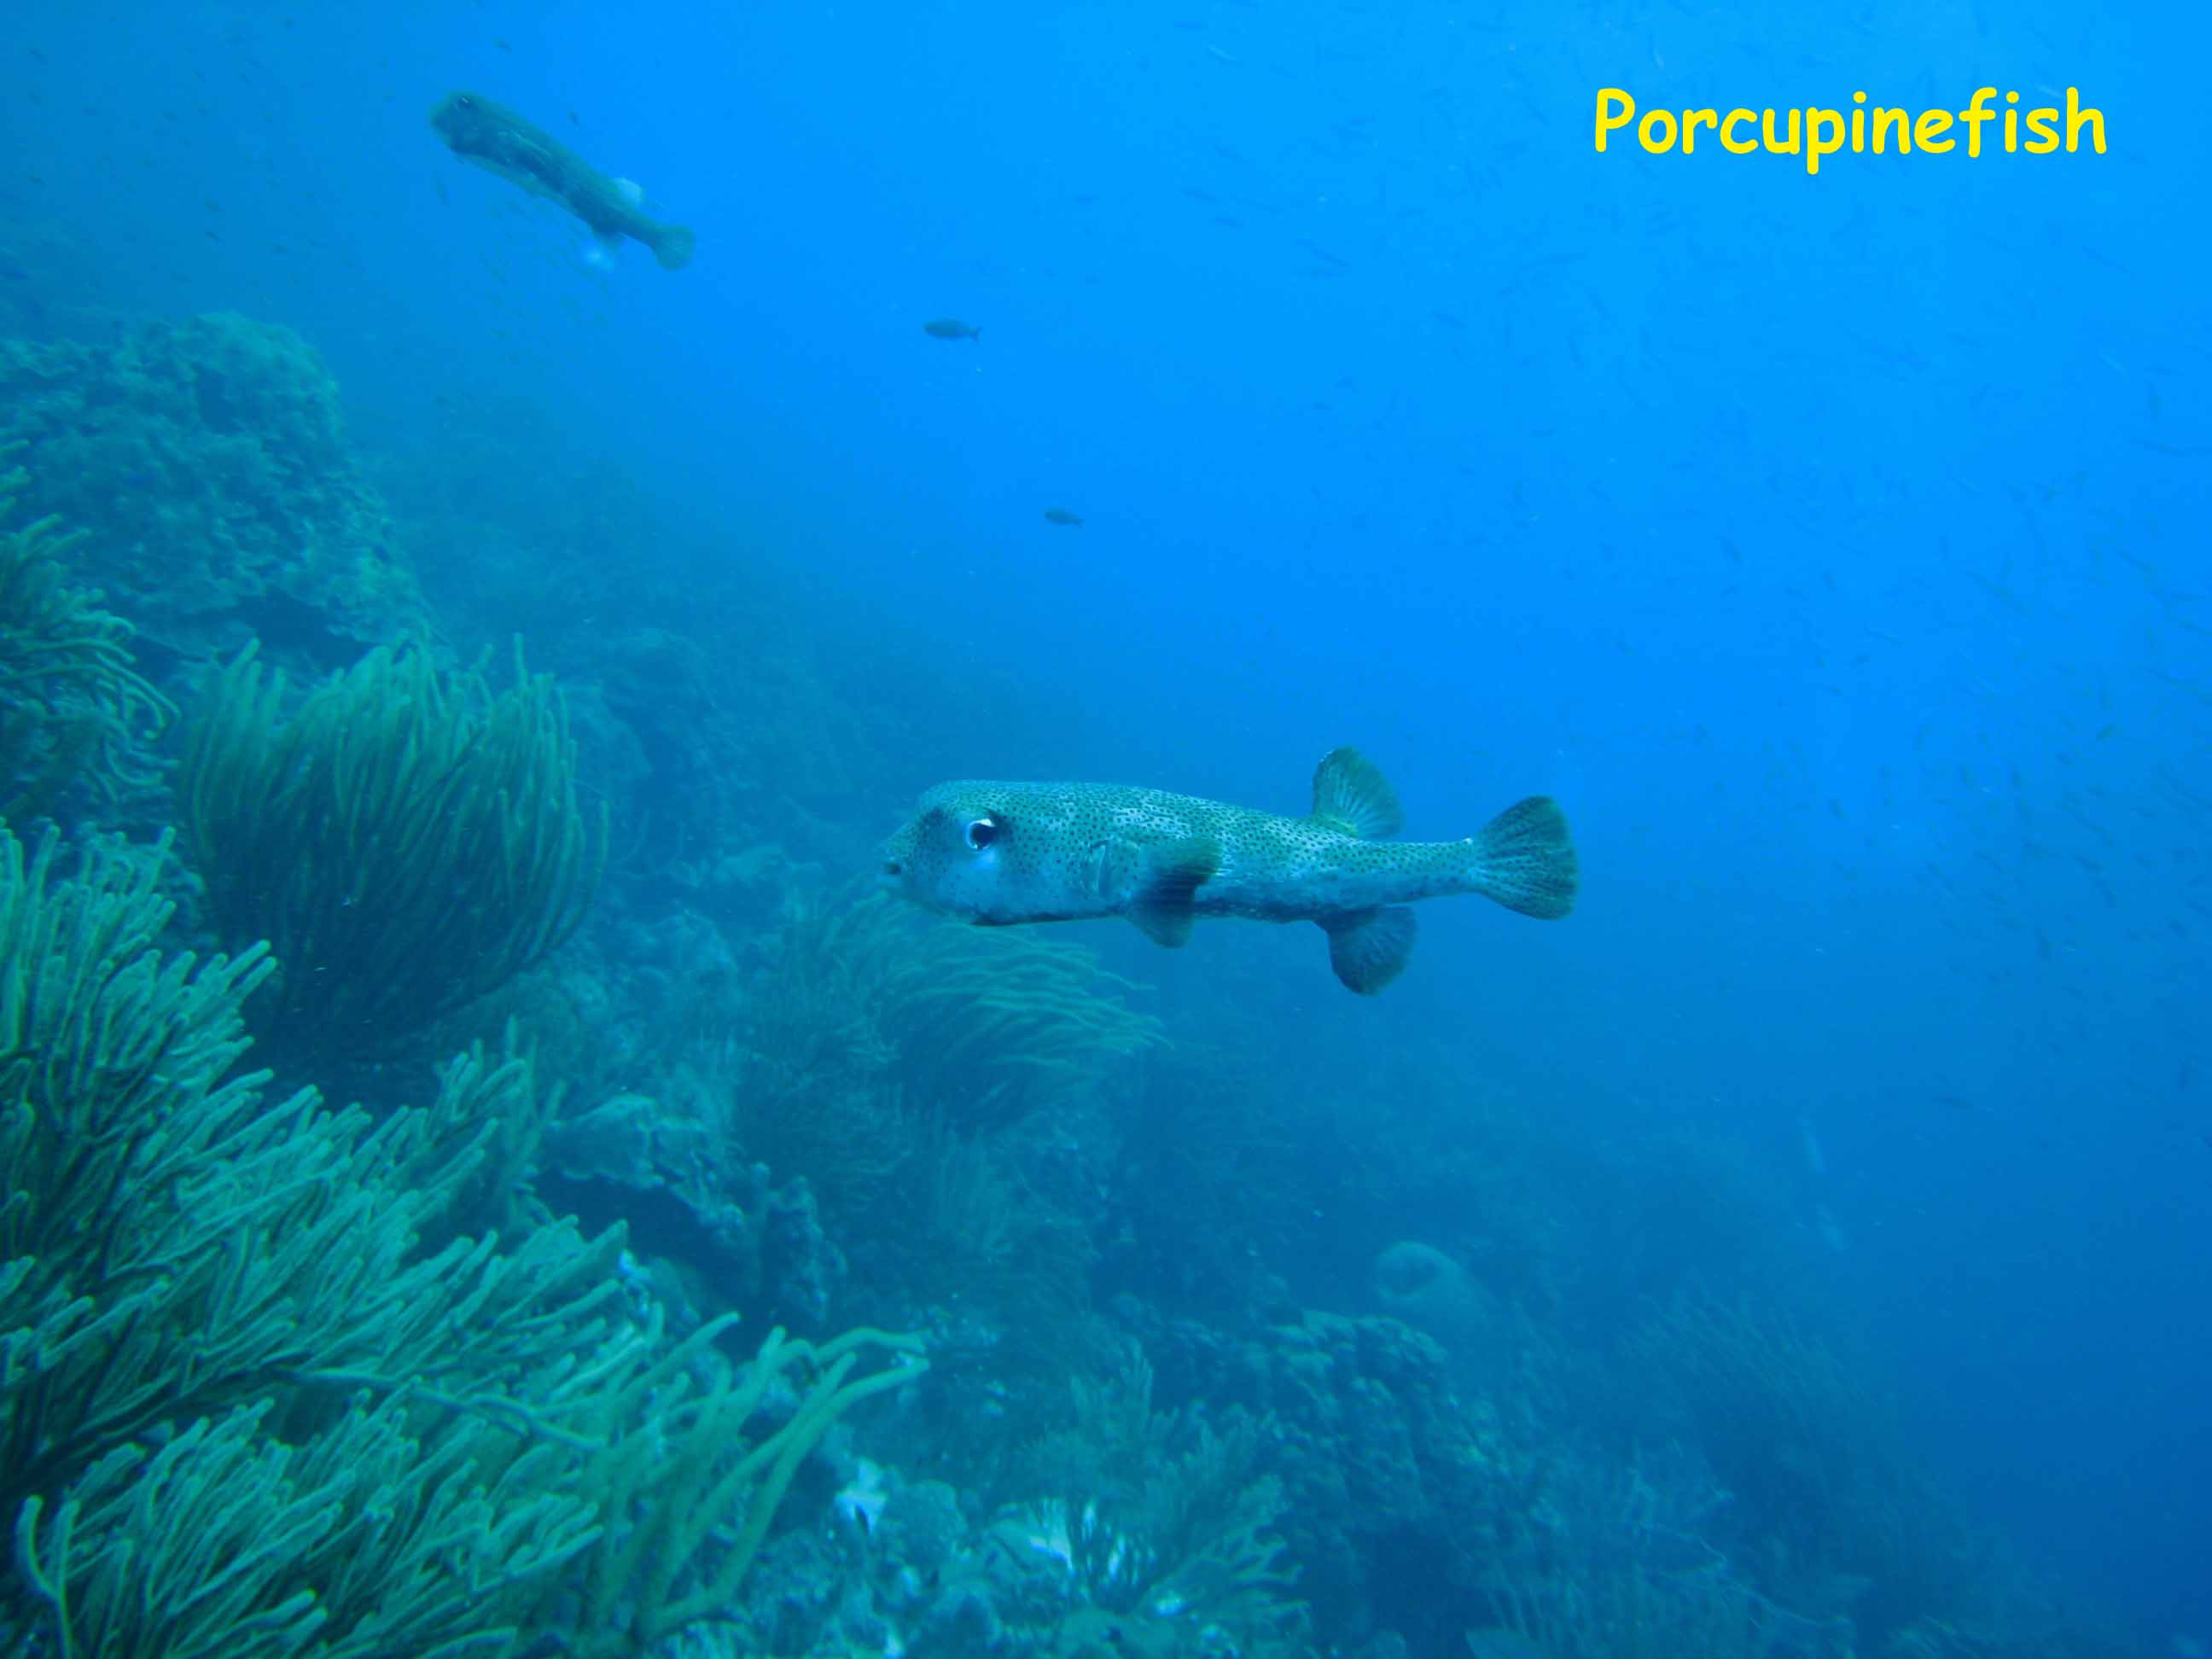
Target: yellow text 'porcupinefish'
{"points": [[1000, 853]]}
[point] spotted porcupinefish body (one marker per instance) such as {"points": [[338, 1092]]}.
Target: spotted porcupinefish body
{"points": [[495, 137], [1000, 854]]}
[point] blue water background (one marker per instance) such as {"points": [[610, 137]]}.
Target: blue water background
{"points": [[1834, 547]]}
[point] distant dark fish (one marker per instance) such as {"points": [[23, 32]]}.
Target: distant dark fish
{"points": [[951, 328], [497, 138], [1060, 515]]}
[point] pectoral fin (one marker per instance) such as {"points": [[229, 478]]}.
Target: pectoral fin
{"points": [[1370, 948], [1173, 873]]}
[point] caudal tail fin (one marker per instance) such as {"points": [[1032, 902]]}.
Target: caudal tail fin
{"points": [[1525, 860], [673, 247]]}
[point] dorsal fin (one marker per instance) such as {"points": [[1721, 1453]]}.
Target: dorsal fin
{"points": [[1351, 795]]}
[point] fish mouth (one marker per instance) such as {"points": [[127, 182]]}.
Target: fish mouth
{"points": [[891, 874]]}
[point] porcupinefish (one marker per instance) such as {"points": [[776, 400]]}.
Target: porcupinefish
{"points": [[1001, 853], [497, 138]]}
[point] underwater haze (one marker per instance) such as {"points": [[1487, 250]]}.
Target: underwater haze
{"points": [[524, 571]]}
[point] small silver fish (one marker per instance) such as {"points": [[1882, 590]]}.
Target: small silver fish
{"points": [[1000, 854]]}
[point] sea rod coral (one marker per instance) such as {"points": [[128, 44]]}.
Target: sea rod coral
{"points": [[406, 840], [244, 1408]]}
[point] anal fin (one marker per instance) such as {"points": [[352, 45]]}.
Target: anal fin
{"points": [[1369, 948]]}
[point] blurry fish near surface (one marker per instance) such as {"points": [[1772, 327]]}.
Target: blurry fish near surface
{"points": [[951, 328], [999, 854], [1061, 515]]}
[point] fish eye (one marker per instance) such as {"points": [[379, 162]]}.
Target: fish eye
{"points": [[982, 832]]}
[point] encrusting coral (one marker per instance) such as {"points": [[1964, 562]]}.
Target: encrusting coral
{"points": [[209, 457]]}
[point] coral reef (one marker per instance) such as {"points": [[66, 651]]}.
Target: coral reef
{"points": [[207, 458], [981, 1029], [668, 1174], [875, 1054], [675, 1458], [73, 709], [1428, 1290], [176, 1252], [243, 1403], [1163, 1525], [285, 1381], [1155, 1536], [1400, 1486], [1840, 1515], [1619, 1564]]}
